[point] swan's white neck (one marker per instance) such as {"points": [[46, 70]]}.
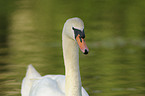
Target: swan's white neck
{"points": [[72, 73]]}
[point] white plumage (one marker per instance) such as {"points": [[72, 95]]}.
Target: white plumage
{"points": [[59, 85]]}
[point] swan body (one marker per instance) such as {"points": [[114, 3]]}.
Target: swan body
{"points": [[34, 84]]}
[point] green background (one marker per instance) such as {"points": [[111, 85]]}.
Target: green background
{"points": [[30, 33]]}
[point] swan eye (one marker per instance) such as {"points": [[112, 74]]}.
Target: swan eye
{"points": [[79, 32]]}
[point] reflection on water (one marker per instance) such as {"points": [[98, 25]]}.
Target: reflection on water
{"points": [[30, 32]]}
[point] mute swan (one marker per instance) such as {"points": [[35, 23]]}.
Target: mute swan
{"points": [[59, 85]]}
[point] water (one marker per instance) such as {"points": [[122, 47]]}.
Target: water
{"points": [[30, 33]]}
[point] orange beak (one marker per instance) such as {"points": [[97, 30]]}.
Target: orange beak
{"points": [[82, 44]]}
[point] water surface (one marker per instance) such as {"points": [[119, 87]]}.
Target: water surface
{"points": [[30, 33]]}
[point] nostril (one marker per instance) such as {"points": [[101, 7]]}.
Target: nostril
{"points": [[86, 52]]}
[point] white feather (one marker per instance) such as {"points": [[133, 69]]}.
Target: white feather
{"points": [[59, 85]]}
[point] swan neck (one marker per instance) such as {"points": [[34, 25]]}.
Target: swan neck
{"points": [[72, 72]]}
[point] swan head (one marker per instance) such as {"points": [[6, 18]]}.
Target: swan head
{"points": [[74, 29]]}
